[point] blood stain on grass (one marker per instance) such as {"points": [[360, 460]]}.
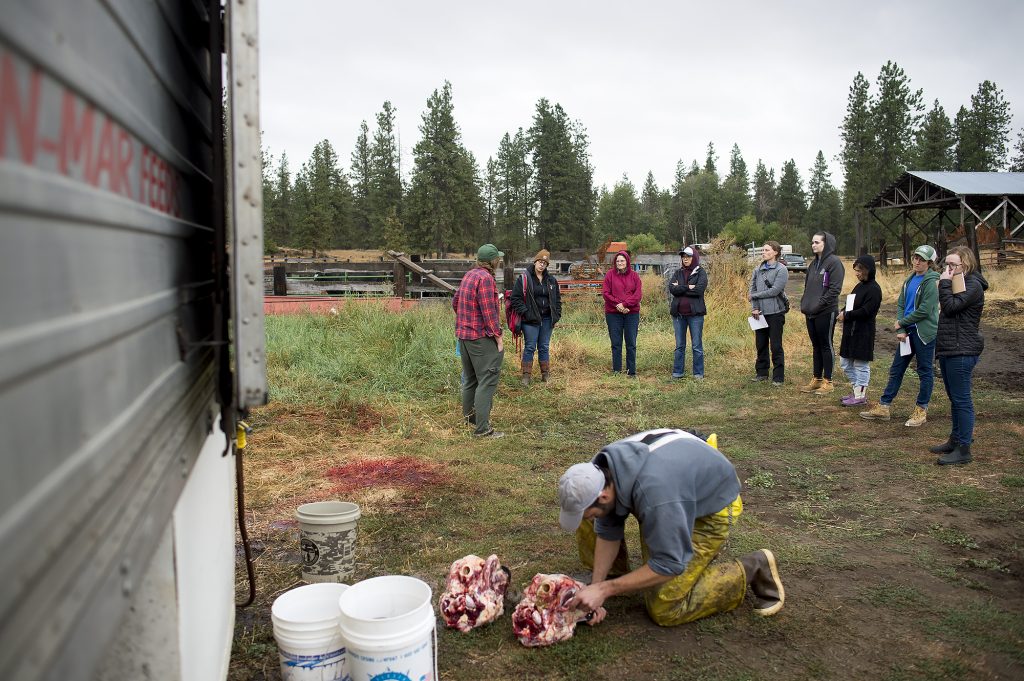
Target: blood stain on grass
{"points": [[404, 471]]}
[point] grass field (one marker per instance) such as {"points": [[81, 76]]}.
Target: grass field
{"points": [[894, 568]]}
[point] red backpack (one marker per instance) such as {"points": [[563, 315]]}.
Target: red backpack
{"points": [[512, 318]]}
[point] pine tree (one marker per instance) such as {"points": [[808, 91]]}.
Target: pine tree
{"points": [[983, 131], [384, 189], [278, 211], [270, 237], [825, 211], [764, 193], [514, 202], [736, 188], [896, 114], [652, 214], [395, 236], [792, 201], [858, 156], [361, 181], [326, 209], [492, 186], [933, 149], [618, 211], [444, 207], [1017, 162], [707, 205], [678, 206]]}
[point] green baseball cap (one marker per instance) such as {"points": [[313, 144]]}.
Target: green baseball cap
{"points": [[489, 252], [926, 253]]}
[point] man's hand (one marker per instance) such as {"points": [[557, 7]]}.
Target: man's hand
{"points": [[590, 599], [501, 343], [598, 617]]}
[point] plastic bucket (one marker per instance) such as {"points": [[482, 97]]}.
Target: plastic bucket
{"points": [[309, 642], [388, 626], [327, 537]]}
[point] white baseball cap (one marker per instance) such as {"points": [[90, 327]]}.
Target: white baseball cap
{"points": [[578, 488]]}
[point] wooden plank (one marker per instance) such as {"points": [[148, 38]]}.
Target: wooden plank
{"points": [[410, 265]]}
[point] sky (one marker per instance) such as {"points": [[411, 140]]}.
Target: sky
{"points": [[652, 82]]}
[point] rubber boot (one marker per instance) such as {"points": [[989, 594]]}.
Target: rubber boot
{"points": [[527, 370], [946, 446], [763, 582], [961, 454], [545, 368]]}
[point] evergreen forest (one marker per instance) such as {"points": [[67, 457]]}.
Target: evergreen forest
{"points": [[537, 189]]}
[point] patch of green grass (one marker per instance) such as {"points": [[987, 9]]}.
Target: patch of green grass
{"points": [[983, 626], [993, 564], [1014, 481], [929, 670], [763, 479], [893, 595], [950, 536], [961, 496]]}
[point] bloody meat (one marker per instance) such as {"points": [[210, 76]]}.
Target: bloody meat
{"points": [[474, 594], [543, 616]]}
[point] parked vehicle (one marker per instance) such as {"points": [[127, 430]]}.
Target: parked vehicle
{"points": [[132, 336], [795, 262]]}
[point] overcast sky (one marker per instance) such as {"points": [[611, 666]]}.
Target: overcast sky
{"points": [[652, 82]]}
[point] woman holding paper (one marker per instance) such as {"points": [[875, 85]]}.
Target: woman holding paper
{"points": [[917, 310], [958, 346], [857, 349], [768, 309]]}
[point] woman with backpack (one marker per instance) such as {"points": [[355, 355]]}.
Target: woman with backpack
{"points": [[536, 300], [768, 299]]}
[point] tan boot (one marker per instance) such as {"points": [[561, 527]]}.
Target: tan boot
{"points": [[812, 386], [825, 388], [527, 371], [545, 368], [918, 418], [879, 411]]}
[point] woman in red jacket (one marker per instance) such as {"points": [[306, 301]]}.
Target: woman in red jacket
{"points": [[622, 291]]}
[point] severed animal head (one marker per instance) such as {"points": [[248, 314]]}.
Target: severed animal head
{"points": [[543, 616], [474, 593]]}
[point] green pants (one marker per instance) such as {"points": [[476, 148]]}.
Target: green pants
{"points": [[702, 589], [481, 369]]}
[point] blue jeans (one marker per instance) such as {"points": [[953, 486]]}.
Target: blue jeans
{"points": [[857, 370], [537, 339], [695, 324], [925, 353], [956, 376], [623, 326]]}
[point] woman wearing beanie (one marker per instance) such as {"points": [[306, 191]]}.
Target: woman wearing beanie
{"points": [[686, 286], [535, 297], [958, 346], [857, 349], [622, 291], [767, 299], [917, 312]]}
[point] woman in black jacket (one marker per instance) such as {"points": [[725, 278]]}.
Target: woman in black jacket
{"points": [[958, 346], [535, 297], [857, 349]]}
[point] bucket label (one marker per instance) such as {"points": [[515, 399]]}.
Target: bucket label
{"points": [[328, 554], [329, 666], [310, 552]]}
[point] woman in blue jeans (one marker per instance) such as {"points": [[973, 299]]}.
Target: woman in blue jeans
{"points": [[622, 291], [958, 347], [686, 286], [535, 297]]}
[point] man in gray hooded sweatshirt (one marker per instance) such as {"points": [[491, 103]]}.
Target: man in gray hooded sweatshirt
{"points": [[820, 305], [685, 495]]}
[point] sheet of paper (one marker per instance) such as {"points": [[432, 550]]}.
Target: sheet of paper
{"points": [[959, 285], [757, 322], [905, 347], [849, 301]]}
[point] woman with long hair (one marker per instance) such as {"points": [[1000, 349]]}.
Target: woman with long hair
{"points": [[767, 299], [819, 304], [959, 345]]}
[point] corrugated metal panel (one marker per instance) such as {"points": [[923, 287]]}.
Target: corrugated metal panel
{"points": [[106, 286], [979, 184]]}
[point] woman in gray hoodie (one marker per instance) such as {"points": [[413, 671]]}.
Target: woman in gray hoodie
{"points": [[820, 306]]}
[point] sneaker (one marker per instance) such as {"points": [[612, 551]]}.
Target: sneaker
{"points": [[777, 384], [759, 379], [853, 401], [918, 418], [490, 433], [677, 376], [879, 411], [812, 386], [698, 377], [847, 397], [826, 388]]}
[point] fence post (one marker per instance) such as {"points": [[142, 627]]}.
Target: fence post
{"points": [[280, 281], [399, 279]]}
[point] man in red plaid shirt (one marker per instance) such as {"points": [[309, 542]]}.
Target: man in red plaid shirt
{"points": [[478, 328]]}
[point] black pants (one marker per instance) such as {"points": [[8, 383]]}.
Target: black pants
{"points": [[820, 330], [771, 336]]}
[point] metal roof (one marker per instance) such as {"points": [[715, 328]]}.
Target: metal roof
{"points": [[989, 184]]}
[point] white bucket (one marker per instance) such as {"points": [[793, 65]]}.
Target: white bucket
{"points": [[327, 532], [388, 626], [306, 629]]}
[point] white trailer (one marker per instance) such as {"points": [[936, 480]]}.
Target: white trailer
{"points": [[119, 393]]}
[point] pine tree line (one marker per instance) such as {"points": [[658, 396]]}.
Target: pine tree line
{"points": [[537, 189]]}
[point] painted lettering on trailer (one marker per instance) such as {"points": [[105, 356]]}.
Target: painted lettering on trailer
{"points": [[45, 125]]}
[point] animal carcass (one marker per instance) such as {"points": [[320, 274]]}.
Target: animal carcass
{"points": [[543, 616], [474, 594]]}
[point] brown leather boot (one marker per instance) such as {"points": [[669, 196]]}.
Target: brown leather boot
{"points": [[763, 582], [527, 371], [812, 386], [545, 368]]}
